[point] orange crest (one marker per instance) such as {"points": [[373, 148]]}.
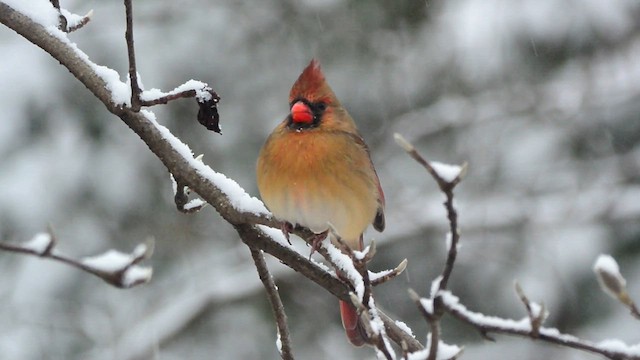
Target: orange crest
{"points": [[311, 85]]}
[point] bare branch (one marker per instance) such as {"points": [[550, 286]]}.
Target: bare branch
{"points": [[133, 71], [276, 304], [537, 313]]}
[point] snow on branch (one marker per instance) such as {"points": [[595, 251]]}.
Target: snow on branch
{"points": [[442, 301], [116, 268], [612, 349], [613, 283], [447, 177]]}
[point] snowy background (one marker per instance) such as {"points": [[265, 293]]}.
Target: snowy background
{"points": [[542, 98]]}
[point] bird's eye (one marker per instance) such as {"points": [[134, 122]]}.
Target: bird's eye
{"points": [[321, 106]]}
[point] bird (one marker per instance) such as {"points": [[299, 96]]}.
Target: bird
{"points": [[315, 169]]}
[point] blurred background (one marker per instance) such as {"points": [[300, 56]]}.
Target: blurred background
{"points": [[542, 98]]}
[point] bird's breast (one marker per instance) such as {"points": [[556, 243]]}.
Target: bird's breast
{"points": [[311, 178]]}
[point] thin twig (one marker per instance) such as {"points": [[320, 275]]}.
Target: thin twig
{"points": [[276, 303], [377, 278], [85, 20], [170, 97], [133, 72]]}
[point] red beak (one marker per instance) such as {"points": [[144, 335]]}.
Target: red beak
{"points": [[300, 113]]}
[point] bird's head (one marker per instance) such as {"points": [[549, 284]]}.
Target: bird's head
{"points": [[314, 105]]}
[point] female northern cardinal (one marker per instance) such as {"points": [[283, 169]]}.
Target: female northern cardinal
{"points": [[315, 169]]}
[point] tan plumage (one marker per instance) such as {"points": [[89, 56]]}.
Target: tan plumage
{"points": [[315, 169]]}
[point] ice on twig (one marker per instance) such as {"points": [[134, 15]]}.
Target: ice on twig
{"points": [[40, 243]]}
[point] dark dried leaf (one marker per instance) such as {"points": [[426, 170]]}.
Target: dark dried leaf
{"points": [[208, 113]]}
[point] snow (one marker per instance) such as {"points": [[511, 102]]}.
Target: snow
{"points": [[427, 304], [39, 243], [110, 261], [446, 172], [609, 277], [453, 302], [346, 267], [377, 326], [197, 86], [404, 327], [361, 254], [435, 286], [278, 342], [120, 91], [136, 275], [74, 19], [632, 351], [276, 235], [238, 198], [40, 11], [194, 203], [379, 274], [445, 351]]}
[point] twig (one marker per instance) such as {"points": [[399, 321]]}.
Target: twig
{"points": [[62, 21], [446, 186], [174, 96], [276, 304], [118, 269], [80, 24], [133, 72], [537, 313], [384, 276]]}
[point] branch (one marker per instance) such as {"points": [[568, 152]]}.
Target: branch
{"points": [[133, 72], [284, 340], [116, 268], [245, 213], [614, 350], [613, 283], [447, 177]]}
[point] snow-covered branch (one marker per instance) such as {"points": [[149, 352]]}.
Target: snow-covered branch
{"points": [[116, 268], [442, 301]]}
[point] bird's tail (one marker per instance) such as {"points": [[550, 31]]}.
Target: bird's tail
{"points": [[351, 323]]}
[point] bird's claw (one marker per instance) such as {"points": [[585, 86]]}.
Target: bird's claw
{"points": [[316, 241], [287, 229]]}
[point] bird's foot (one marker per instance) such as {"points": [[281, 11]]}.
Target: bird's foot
{"points": [[316, 240], [287, 229]]}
